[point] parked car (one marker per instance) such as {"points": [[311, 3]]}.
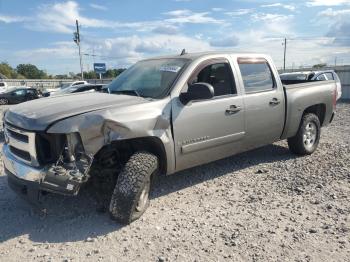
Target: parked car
{"points": [[79, 89], [159, 116], [307, 76], [17, 95], [70, 84], [3, 87]]}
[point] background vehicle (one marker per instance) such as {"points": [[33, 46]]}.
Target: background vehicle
{"points": [[76, 83], [160, 116], [306, 76], [18, 95], [79, 89], [3, 87]]}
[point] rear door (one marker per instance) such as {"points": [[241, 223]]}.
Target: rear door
{"points": [[211, 129], [263, 101]]}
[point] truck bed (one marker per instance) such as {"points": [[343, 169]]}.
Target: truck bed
{"points": [[300, 96]]}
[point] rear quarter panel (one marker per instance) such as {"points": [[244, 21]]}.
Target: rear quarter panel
{"points": [[301, 96]]}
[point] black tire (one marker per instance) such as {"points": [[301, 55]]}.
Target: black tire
{"points": [[305, 142], [4, 101], [133, 183]]}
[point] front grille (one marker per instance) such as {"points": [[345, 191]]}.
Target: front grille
{"points": [[20, 153], [21, 144], [18, 136]]}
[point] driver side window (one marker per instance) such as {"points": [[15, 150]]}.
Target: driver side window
{"points": [[19, 92], [219, 75]]}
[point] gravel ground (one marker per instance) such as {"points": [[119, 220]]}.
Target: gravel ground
{"points": [[264, 205]]}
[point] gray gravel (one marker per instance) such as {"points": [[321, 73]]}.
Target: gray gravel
{"points": [[264, 205]]}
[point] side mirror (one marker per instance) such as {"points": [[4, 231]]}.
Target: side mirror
{"points": [[197, 91]]}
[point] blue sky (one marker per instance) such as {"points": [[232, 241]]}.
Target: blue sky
{"points": [[121, 33]]}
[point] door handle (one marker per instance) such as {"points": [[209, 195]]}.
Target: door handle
{"points": [[233, 109], [274, 102]]}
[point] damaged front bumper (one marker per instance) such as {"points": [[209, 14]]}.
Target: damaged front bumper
{"points": [[30, 181]]}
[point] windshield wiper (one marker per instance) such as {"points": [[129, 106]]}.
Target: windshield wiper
{"points": [[126, 92]]}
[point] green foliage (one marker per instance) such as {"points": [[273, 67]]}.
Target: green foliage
{"points": [[319, 65], [30, 71], [7, 71]]}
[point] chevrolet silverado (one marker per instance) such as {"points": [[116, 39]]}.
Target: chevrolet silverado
{"points": [[160, 116]]}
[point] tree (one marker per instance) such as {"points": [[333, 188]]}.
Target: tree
{"points": [[319, 65], [30, 71], [113, 73], [7, 71]]}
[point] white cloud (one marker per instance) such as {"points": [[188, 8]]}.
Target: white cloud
{"points": [[183, 16], [98, 7], [285, 6], [327, 2], [166, 30], [229, 41], [239, 12], [13, 19], [329, 12], [274, 23], [217, 9], [338, 25]]}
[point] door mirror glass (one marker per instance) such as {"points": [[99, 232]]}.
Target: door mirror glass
{"points": [[197, 91]]}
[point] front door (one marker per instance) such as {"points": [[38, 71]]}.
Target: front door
{"points": [[208, 130]]}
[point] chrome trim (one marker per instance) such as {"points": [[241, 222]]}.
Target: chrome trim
{"points": [[27, 147], [19, 169]]}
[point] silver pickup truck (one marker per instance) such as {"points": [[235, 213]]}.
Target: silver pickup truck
{"points": [[160, 116]]}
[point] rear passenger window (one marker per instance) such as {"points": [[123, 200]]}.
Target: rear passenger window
{"points": [[256, 74], [321, 77], [329, 76], [218, 75]]}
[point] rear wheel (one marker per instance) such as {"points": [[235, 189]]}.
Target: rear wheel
{"points": [[307, 138], [130, 197], [3, 101]]}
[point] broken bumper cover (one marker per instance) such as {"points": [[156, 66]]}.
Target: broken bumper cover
{"points": [[29, 181]]}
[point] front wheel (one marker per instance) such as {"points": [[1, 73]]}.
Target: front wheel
{"points": [[307, 138], [3, 101], [130, 197]]}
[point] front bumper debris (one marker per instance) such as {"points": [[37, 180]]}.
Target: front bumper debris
{"points": [[29, 181]]}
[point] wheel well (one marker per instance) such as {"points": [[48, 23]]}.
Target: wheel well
{"points": [[125, 148], [319, 110]]}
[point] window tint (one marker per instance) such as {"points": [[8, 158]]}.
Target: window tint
{"points": [[219, 76], [31, 92], [2, 84], [257, 76], [20, 92], [329, 76], [321, 77]]}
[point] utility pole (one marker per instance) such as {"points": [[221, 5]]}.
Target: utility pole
{"points": [[77, 41], [285, 52]]}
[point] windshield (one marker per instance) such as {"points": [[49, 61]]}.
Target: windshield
{"points": [[63, 86], [293, 76], [149, 78], [66, 90]]}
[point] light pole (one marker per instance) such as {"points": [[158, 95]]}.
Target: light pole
{"points": [[284, 56], [77, 41]]}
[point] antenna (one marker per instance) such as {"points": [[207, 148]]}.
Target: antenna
{"points": [[183, 51]]}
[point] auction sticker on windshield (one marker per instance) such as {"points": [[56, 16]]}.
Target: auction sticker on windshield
{"points": [[169, 68]]}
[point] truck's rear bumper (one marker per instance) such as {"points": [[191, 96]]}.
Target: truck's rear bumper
{"points": [[29, 182]]}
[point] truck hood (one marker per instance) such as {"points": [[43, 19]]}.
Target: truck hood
{"points": [[38, 114]]}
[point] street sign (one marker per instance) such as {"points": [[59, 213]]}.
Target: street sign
{"points": [[100, 68]]}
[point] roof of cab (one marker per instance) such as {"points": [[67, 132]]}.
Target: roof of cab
{"points": [[194, 56]]}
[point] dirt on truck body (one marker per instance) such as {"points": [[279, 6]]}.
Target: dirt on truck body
{"points": [[160, 116]]}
